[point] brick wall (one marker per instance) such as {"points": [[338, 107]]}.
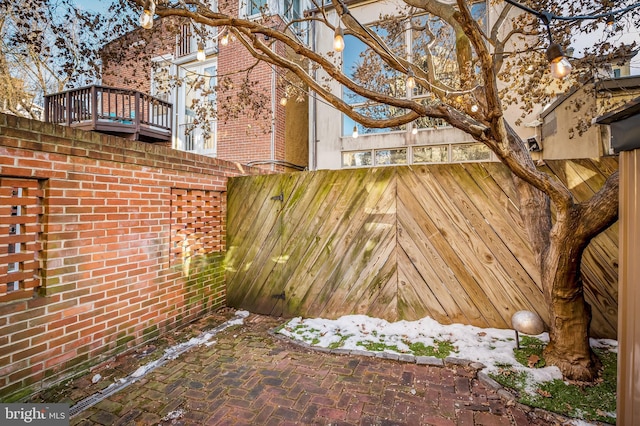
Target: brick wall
{"points": [[105, 243]]}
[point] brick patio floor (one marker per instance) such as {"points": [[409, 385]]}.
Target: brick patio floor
{"points": [[249, 377]]}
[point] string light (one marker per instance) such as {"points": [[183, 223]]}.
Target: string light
{"points": [[414, 131], [474, 108], [338, 39], [201, 55], [224, 37], [146, 17], [411, 80], [283, 101], [611, 20], [355, 132], [559, 65]]}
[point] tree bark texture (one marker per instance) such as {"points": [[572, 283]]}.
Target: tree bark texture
{"points": [[568, 347]]}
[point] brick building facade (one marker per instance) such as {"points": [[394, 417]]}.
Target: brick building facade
{"points": [[251, 127], [105, 243]]}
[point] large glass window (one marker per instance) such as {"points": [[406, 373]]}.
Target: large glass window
{"points": [[426, 40], [370, 71], [200, 110]]}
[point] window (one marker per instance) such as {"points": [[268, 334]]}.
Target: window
{"points": [[357, 159], [470, 152], [292, 10], [161, 79], [20, 212], [198, 126], [256, 7], [422, 38], [367, 69], [391, 156], [430, 37], [431, 154]]}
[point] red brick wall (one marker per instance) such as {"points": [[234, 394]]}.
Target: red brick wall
{"points": [[107, 210], [126, 61]]}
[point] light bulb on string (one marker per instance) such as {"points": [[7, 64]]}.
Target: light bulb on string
{"points": [[355, 132], [201, 55], [411, 80], [610, 20], [224, 37], [146, 17], [338, 39], [559, 65]]}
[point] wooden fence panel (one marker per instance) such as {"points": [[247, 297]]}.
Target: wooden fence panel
{"points": [[444, 241]]}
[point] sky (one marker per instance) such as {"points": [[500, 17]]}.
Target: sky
{"points": [[93, 5]]}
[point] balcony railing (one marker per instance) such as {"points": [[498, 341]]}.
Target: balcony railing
{"points": [[122, 112]]}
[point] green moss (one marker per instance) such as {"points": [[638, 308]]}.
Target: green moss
{"points": [[377, 346], [530, 346], [591, 402], [19, 395], [122, 341], [151, 332], [510, 378], [339, 343], [440, 349]]}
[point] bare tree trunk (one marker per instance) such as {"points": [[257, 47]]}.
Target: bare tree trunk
{"points": [[568, 347]]}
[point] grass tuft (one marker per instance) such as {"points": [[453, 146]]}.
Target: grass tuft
{"points": [[592, 402]]}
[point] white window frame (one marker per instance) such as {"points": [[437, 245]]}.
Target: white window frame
{"points": [[197, 144]]}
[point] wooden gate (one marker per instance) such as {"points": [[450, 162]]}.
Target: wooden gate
{"points": [[444, 241]]}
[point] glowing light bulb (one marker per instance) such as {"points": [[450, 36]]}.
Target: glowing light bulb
{"points": [[338, 39], [560, 68], [224, 38], [558, 64], [411, 80], [146, 18], [201, 56], [414, 131], [474, 108], [283, 101], [355, 132]]}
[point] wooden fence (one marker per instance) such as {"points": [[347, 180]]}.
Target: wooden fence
{"points": [[444, 241]]}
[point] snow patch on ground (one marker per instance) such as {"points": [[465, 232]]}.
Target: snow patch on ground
{"points": [[490, 346]]}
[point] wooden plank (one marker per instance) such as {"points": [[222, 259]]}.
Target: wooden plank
{"points": [[420, 290], [519, 290], [248, 242], [369, 263], [264, 255], [347, 238], [423, 245], [501, 213], [308, 274], [423, 194], [443, 241]]}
